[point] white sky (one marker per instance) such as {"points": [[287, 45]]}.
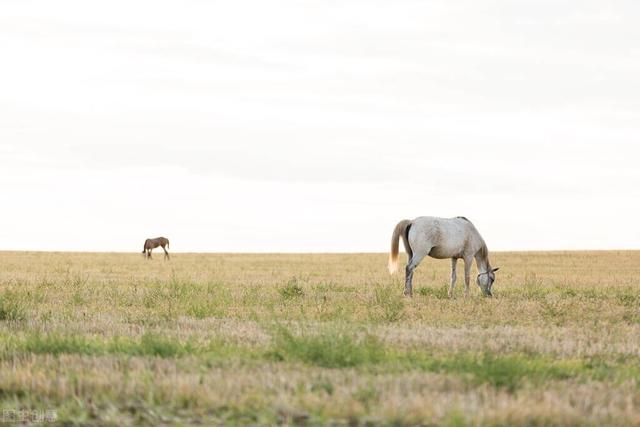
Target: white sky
{"points": [[316, 125]]}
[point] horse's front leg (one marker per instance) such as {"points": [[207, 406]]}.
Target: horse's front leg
{"points": [[454, 276], [467, 275]]}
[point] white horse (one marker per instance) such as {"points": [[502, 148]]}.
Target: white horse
{"points": [[442, 238]]}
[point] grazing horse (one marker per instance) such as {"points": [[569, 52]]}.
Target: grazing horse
{"points": [[151, 244], [442, 238]]}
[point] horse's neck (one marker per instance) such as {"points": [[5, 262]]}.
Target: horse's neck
{"points": [[482, 260]]}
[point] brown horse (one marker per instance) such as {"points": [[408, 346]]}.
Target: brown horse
{"points": [[151, 244]]}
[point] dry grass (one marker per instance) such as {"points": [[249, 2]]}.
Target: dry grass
{"points": [[110, 339]]}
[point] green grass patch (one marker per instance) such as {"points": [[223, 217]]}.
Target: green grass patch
{"points": [[331, 349], [629, 299], [335, 348], [507, 372], [338, 347], [55, 345], [149, 344], [441, 292]]}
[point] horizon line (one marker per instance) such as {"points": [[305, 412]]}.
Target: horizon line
{"points": [[299, 253]]}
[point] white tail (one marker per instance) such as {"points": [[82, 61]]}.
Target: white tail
{"points": [[393, 265], [399, 231]]}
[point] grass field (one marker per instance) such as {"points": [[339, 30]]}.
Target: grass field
{"points": [[109, 339]]}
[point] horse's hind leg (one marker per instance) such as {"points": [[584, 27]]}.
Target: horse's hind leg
{"points": [[408, 291], [166, 254], [413, 263], [454, 276]]}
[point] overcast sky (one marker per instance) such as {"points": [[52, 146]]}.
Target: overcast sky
{"points": [[315, 126]]}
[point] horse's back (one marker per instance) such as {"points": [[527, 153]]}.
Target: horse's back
{"points": [[441, 237], [157, 241], [442, 227]]}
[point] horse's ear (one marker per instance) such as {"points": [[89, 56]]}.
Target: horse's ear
{"points": [[496, 269]]}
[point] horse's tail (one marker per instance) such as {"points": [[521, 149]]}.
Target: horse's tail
{"points": [[401, 230], [167, 243], [144, 248]]}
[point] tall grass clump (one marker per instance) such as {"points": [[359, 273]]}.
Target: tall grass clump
{"points": [[11, 309], [291, 290], [387, 305], [533, 286], [156, 345]]}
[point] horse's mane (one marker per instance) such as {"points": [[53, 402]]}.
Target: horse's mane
{"points": [[484, 251]]}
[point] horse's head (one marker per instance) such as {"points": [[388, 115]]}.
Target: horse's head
{"points": [[486, 280]]}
